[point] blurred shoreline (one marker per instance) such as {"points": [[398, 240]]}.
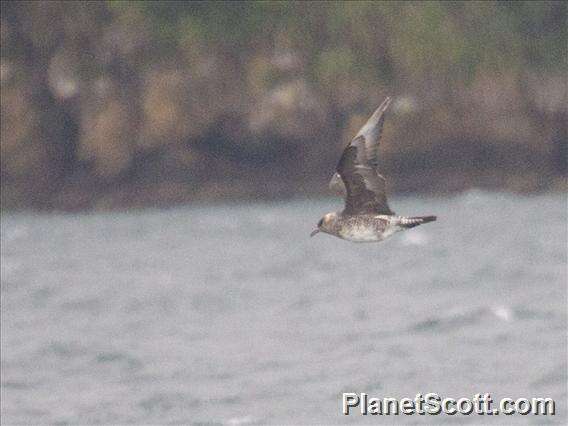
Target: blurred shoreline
{"points": [[110, 105], [127, 196]]}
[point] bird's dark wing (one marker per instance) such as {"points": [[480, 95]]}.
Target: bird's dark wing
{"points": [[365, 187], [357, 169]]}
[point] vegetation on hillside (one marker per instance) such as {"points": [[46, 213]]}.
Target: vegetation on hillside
{"points": [[117, 103]]}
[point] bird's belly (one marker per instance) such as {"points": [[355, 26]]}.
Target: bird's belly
{"points": [[361, 234]]}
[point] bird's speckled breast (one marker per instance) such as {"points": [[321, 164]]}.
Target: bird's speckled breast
{"points": [[365, 228]]}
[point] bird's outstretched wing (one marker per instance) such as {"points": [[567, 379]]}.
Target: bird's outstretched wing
{"points": [[357, 169]]}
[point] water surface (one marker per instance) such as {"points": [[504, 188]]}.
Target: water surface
{"points": [[231, 314]]}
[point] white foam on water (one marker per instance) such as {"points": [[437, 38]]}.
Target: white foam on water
{"points": [[414, 238], [503, 312], [236, 421]]}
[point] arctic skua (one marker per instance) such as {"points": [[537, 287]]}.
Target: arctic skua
{"points": [[366, 216]]}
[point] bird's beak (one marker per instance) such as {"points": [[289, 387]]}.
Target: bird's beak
{"points": [[314, 232]]}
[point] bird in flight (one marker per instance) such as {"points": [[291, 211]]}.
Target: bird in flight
{"points": [[367, 216]]}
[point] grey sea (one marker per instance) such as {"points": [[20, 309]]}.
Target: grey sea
{"points": [[231, 315]]}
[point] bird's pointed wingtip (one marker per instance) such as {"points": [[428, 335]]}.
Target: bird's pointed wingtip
{"points": [[377, 117], [386, 103], [381, 109]]}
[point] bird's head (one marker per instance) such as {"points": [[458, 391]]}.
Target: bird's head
{"points": [[325, 224]]}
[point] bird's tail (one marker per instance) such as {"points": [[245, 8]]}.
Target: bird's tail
{"points": [[411, 222]]}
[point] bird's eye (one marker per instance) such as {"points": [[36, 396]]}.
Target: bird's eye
{"points": [[320, 223]]}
